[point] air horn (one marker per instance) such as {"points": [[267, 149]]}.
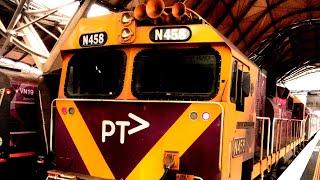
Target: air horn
{"points": [[155, 9], [139, 12], [178, 10]]}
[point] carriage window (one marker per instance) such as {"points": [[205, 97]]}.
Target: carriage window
{"points": [[181, 74], [95, 73]]}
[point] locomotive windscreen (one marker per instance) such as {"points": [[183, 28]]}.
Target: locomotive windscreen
{"points": [[96, 73], [182, 74]]}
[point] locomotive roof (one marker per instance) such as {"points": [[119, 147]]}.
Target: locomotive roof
{"points": [[111, 25]]}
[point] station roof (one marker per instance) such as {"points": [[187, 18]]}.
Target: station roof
{"points": [[282, 36]]}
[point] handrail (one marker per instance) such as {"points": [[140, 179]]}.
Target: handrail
{"points": [[1, 94], [263, 119], [262, 134], [294, 123]]}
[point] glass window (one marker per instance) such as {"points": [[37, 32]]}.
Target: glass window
{"points": [[181, 74], [240, 97], [233, 82], [239, 84], [95, 73]]}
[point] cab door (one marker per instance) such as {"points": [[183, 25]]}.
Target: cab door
{"points": [[242, 120]]}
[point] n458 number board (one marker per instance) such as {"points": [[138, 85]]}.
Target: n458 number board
{"points": [[93, 39], [170, 34]]}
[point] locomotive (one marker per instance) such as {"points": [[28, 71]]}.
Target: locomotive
{"points": [[158, 93], [19, 97], [21, 124]]}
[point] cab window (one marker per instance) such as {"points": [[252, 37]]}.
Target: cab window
{"points": [[96, 73], [240, 84], [176, 74]]}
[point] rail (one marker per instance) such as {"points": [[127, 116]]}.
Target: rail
{"points": [[294, 130], [278, 137]]}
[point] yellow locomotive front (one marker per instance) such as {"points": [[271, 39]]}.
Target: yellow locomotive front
{"points": [[153, 97]]}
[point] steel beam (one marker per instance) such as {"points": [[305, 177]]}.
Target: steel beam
{"points": [[16, 16], [46, 10], [210, 9], [255, 22], [228, 7], [2, 27], [8, 50], [47, 31], [236, 23], [4, 4], [33, 40], [21, 45], [54, 61], [35, 20], [23, 56], [264, 30]]}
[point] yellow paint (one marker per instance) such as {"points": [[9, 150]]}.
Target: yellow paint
{"points": [[179, 138], [176, 139], [112, 26], [126, 91], [316, 175], [84, 141], [65, 62], [272, 159]]}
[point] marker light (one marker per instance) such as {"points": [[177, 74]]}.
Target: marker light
{"points": [[126, 33], [193, 115], [40, 160], [126, 18], [205, 116], [8, 91], [71, 110], [64, 111]]}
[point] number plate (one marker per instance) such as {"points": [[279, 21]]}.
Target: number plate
{"points": [[239, 146], [170, 34], [93, 39]]}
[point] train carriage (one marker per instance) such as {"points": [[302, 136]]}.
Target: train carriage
{"points": [[22, 139]]}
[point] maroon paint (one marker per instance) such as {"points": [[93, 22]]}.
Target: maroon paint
{"points": [[122, 158], [202, 158], [66, 155], [24, 92]]}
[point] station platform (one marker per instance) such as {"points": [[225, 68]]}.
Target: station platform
{"points": [[306, 166]]}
